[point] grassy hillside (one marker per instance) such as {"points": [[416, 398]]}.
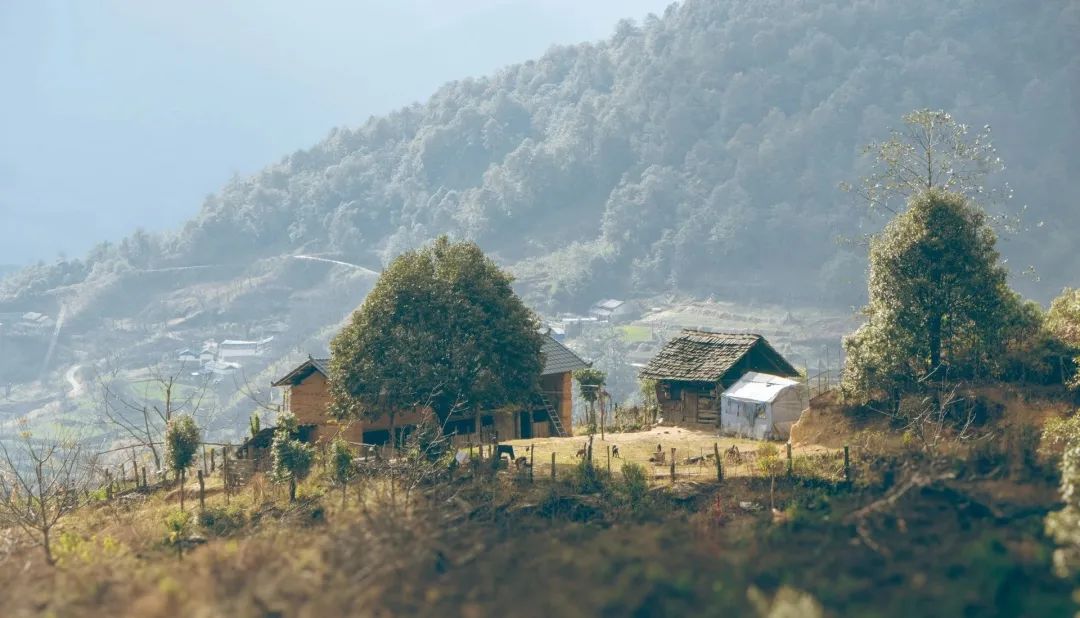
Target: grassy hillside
{"points": [[969, 542]]}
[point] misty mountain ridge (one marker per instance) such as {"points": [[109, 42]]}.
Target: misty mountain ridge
{"points": [[696, 152]]}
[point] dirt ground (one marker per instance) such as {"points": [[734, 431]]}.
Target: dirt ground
{"points": [[638, 447]]}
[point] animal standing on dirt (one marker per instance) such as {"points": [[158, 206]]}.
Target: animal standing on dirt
{"points": [[615, 451], [581, 452]]}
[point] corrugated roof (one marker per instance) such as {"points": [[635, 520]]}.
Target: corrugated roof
{"points": [[759, 387], [701, 356], [559, 358]]}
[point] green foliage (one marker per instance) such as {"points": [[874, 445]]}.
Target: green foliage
{"points": [[1063, 322], [1063, 318], [178, 527], [590, 382], [769, 461], [292, 458], [254, 424], [587, 478], [1034, 353], [1064, 525], [441, 329], [634, 487], [342, 468], [182, 438], [649, 403], [1058, 434], [71, 548], [939, 303], [222, 520], [590, 387]]}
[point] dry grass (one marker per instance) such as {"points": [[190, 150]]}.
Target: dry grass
{"points": [[638, 447]]}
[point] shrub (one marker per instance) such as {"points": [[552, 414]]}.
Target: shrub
{"points": [[588, 479], [177, 527], [292, 458], [635, 484], [222, 521]]}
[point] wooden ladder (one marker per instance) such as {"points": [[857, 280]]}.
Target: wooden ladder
{"points": [[553, 414]]}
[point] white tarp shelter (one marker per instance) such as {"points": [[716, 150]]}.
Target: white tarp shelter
{"points": [[761, 406]]}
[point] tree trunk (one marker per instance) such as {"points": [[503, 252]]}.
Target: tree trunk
{"points": [[46, 545], [393, 437], [934, 332], [292, 488], [183, 475]]}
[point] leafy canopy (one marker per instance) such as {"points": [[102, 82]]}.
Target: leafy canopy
{"points": [[182, 438], [292, 458], [590, 382], [938, 296], [1063, 319], [441, 329]]}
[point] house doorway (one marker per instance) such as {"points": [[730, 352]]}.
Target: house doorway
{"points": [[525, 424]]}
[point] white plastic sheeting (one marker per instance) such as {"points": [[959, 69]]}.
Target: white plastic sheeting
{"points": [[761, 406]]}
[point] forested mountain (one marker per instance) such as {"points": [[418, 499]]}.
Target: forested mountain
{"points": [[698, 151]]}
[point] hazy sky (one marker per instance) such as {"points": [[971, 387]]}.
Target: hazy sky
{"points": [[116, 115]]}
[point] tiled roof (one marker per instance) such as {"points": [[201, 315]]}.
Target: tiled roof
{"points": [[699, 356], [302, 371], [559, 358]]}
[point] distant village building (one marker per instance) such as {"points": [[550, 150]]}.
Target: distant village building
{"points": [[575, 325], [694, 369], [613, 310], [187, 355], [221, 368], [230, 349], [306, 395], [762, 406]]}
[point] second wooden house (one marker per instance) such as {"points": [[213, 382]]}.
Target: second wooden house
{"points": [[694, 369]]}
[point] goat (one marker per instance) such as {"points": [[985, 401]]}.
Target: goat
{"points": [[615, 451]]}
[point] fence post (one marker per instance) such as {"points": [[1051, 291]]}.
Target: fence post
{"points": [[790, 466], [225, 471], [609, 460], [673, 465], [144, 477], [532, 460], [847, 465], [202, 490], [719, 464], [204, 468], [213, 465], [553, 465]]}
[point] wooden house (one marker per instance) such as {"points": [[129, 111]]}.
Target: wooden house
{"points": [[306, 395], [693, 370]]}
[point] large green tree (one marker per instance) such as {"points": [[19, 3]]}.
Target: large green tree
{"points": [[938, 297], [442, 330]]}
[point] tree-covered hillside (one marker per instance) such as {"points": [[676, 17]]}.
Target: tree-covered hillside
{"points": [[698, 151]]}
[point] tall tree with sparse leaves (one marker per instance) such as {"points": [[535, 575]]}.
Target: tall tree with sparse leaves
{"points": [[931, 151], [442, 329]]}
